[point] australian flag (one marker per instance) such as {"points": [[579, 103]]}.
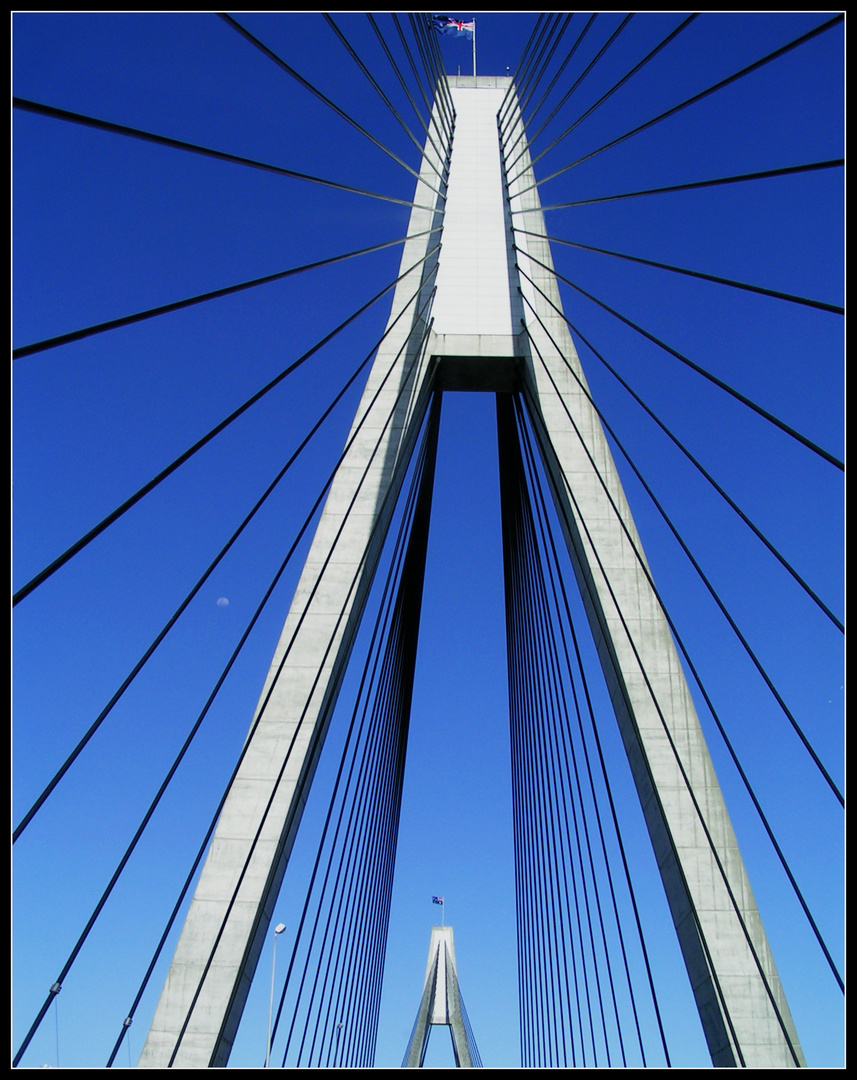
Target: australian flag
{"points": [[437, 899], [445, 25]]}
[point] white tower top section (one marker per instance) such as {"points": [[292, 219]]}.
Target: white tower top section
{"points": [[473, 275]]}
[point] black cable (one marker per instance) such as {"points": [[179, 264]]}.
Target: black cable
{"points": [[390, 610], [425, 126], [323, 98], [475, 1056], [382, 41], [372, 779], [522, 910], [555, 576], [267, 697], [524, 104], [769, 683], [78, 546], [574, 86], [568, 768], [545, 643], [765, 174], [568, 56], [546, 828], [821, 305], [703, 943], [525, 95], [637, 67], [521, 914], [163, 309], [288, 977], [753, 658], [808, 443], [154, 803], [698, 97], [211, 698], [435, 80], [58, 984], [430, 54], [382, 620], [426, 100], [685, 779], [522, 700], [534, 36], [545, 709], [409, 609], [353, 54], [178, 144], [558, 577], [524, 61], [695, 462], [528, 60], [440, 91], [193, 592]]}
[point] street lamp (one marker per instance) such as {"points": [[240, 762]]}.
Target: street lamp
{"points": [[278, 929]]}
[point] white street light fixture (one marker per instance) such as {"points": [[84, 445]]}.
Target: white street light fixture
{"points": [[278, 929]]}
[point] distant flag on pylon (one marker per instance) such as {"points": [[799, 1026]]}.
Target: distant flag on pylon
{"points": [[437, 900], [454, 27]]}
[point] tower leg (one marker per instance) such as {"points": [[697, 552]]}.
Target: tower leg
{"points": [[741, 1003], [207, 985]]}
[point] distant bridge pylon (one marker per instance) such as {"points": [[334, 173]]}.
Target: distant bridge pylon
{"points": [[441, 1005]]}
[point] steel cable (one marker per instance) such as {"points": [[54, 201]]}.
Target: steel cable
{"points": [[568, 56], [267, 697], [129, 679], [426, 126], [57, 986], [765, 174], [685, 780], [750, 404], [637, 67], [388, 702], [528, 59], [697, 465], [176, 305], [80, 544], [178, 144], [374, 82], [575, 85], [289, 70], [776, 54], [556, 579], [753, 658], [789, 715], [821, 305]]}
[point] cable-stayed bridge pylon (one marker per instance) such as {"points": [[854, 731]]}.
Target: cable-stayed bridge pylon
{"points": [[496, 329]]}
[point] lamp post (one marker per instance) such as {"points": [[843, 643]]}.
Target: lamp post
{"points": [[278, 929], [336, 1051]]}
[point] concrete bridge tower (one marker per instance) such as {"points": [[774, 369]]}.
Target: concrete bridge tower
{"points": [[493, 329]]}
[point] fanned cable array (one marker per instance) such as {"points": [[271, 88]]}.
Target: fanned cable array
{"points": [[565, 1005], [578, 1004], [358, 1042], [329, 1002]]}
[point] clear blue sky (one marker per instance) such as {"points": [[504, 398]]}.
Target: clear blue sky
{"points": [[105, 226]]}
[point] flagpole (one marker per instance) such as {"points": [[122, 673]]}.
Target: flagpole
{"points": [[474, 49]]}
